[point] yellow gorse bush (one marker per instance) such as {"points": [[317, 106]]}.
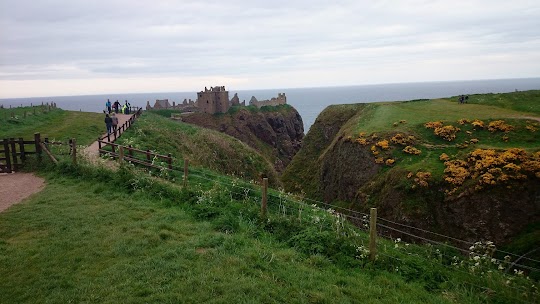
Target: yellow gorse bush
{"points": [[478, 123], [490, 167], [433, 124], [499, 125], [411, 150], [447, 132], [383, 144]]}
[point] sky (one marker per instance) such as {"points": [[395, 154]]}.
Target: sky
{"points": [[72, 47]]}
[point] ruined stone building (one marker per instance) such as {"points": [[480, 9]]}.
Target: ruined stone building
{"points": [[280, 100], [214, 100]]}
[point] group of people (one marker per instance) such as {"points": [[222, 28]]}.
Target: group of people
{"points": [[117, 107], [111, 122], [463, 98]]}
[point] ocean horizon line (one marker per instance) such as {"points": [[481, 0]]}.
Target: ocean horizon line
{"points": [[286, 88]]}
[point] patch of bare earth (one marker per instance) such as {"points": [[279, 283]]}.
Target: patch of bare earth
{"points": [[15, 187]]}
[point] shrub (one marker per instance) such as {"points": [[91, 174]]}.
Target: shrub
{"points": [[447, 132], [422, 178], [402, 139], [499, 125], [478, 123], [383, 144], [411, 150], [444, 157], [433, 124]]}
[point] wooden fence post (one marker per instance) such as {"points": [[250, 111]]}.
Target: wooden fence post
{"points": [[169, 160], [13, 154], [264, 202], [21, 149], [373, 234], [74, 150], [120, 154], [8, 158], [186, 164], [37, 140], [130, 151], [148, 155]]}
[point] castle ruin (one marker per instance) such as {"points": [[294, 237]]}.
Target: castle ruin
{"points": [[214, 100]]}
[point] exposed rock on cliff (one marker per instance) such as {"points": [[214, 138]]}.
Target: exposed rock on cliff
{"points": [[336, 166], [276, 132]]}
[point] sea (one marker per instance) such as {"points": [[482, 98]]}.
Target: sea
{"points": [[309, 102]]}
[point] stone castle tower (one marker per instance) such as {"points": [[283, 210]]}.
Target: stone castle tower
{"points": [[215, 100]]}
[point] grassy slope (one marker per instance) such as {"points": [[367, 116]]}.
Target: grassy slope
{"points": [[105, 245], [57, 125], [203, 147], [384, 119], [229, 119]]}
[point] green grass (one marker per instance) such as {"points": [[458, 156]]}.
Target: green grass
{"points": [[203, 147], [104, 245], [56, 124], [381, 116], [96, 236], [527, 101]]}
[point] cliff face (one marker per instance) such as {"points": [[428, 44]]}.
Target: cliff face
{"points": [[277, 134], [332, 167], [348, 173]]}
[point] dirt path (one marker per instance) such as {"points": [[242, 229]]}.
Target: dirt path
{"points": [[92, 151], [14, 187]]}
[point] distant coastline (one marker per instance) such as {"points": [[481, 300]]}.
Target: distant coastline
{"points": [[308, 101]]}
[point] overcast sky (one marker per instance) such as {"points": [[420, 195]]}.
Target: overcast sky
{"points": [[61, 47]]}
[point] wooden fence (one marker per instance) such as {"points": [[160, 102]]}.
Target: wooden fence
{"points": [[14, 151], [130, 154]]}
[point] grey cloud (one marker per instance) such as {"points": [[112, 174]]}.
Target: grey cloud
{"points": [[198, 38]]}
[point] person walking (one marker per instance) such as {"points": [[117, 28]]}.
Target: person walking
{"points": [[114, 122], [108, 123]]}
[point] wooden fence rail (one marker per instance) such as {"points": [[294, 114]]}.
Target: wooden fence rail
{"points": [[134, 155]]}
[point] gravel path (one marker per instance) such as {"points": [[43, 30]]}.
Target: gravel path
{"points": [[15, 187], [93, 149]]}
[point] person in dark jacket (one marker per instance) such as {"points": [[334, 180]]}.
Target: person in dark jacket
{"points": [[108, 123]]}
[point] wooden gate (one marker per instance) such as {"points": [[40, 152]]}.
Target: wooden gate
{"points": [[13, 152], [5, 161]]}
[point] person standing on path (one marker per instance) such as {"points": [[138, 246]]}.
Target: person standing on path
{"points": [[116, 106], [114, 119], [127, 107], [108, 123], [108, 105]]}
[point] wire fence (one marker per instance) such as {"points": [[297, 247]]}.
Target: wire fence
{"points": [[290, 205]]}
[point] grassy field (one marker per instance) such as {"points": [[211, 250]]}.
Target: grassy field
{"points": [[96, 236], [105, 245], [56, 124]]}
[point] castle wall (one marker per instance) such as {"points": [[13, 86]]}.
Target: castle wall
{"points": [[274, 101], [215, 100]]}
